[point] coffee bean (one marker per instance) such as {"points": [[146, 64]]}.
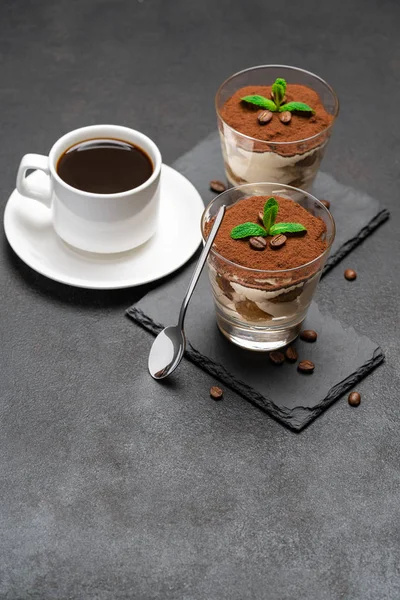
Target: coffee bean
{"points": [[291, 354], [258, 243], [286, 117], [306, 366], [264, 117], [216, 393], [217, 186], [261, 217], [277, 357], [354, 399], [278, 241], [308, 335], [326, 203], [350, 274]]}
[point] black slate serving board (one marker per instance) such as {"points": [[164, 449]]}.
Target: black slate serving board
{"points": [[341, 356], [356, 213]]}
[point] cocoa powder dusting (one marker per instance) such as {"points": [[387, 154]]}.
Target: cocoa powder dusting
{"points": [[242, 116], [298, 249]]}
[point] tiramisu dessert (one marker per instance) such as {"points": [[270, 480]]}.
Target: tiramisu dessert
{"points": [[274, 130], [265, 265]]}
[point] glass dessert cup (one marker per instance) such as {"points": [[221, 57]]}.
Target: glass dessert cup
{"points": [[247, 159], [264, 310]]}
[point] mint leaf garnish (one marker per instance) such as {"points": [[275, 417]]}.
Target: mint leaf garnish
{"points": [[261, 101], [275, 105], [270, 211], [247, 230], [271, 207], [286, 228], [269, 203], [278, 91], [282, 82], [296, 107]]}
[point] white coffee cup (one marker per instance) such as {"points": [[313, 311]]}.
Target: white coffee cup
{"points": [[102, 223]]}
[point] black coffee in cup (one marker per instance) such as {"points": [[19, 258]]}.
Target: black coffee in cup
{"points": [[104, 166]]}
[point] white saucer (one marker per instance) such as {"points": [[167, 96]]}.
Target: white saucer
{"points": [[28, 228]]}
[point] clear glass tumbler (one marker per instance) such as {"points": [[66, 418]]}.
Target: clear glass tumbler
{"points": [[264, 310], [248, 160]]}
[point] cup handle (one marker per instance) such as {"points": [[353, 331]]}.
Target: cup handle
{"points": [[25, 187]]}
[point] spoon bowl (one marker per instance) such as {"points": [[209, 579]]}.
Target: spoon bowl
{"points": [[166, 352]]}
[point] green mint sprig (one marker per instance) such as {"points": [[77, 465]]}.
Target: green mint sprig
{"points": [[296, 107], [286, 228], [247, 230], [279, 90], [261, 102], [270, 213], [275, 105]]}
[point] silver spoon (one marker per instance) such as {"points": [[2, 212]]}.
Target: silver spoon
{"points": [[169, 346]]}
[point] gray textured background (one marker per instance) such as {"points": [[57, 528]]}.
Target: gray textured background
{"points": [[113, 488]]}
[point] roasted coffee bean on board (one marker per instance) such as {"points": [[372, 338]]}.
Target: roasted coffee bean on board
{"points": [[350, 274], [308, 335], [217, 186], [277, 357], [326, 203], [354, 399], [306, 366], [291, 354], [216, 393]]}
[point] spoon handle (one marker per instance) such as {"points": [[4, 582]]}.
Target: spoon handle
{"points": [[200, 264]]}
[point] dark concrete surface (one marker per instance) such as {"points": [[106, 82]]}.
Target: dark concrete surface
{"points": [[112, 487]]}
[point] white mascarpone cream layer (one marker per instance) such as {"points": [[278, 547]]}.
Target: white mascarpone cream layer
{"points": [[264, 166], [263, 298]]}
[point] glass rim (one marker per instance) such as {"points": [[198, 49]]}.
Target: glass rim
{"points": [[271, 143], [275, 271]]}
